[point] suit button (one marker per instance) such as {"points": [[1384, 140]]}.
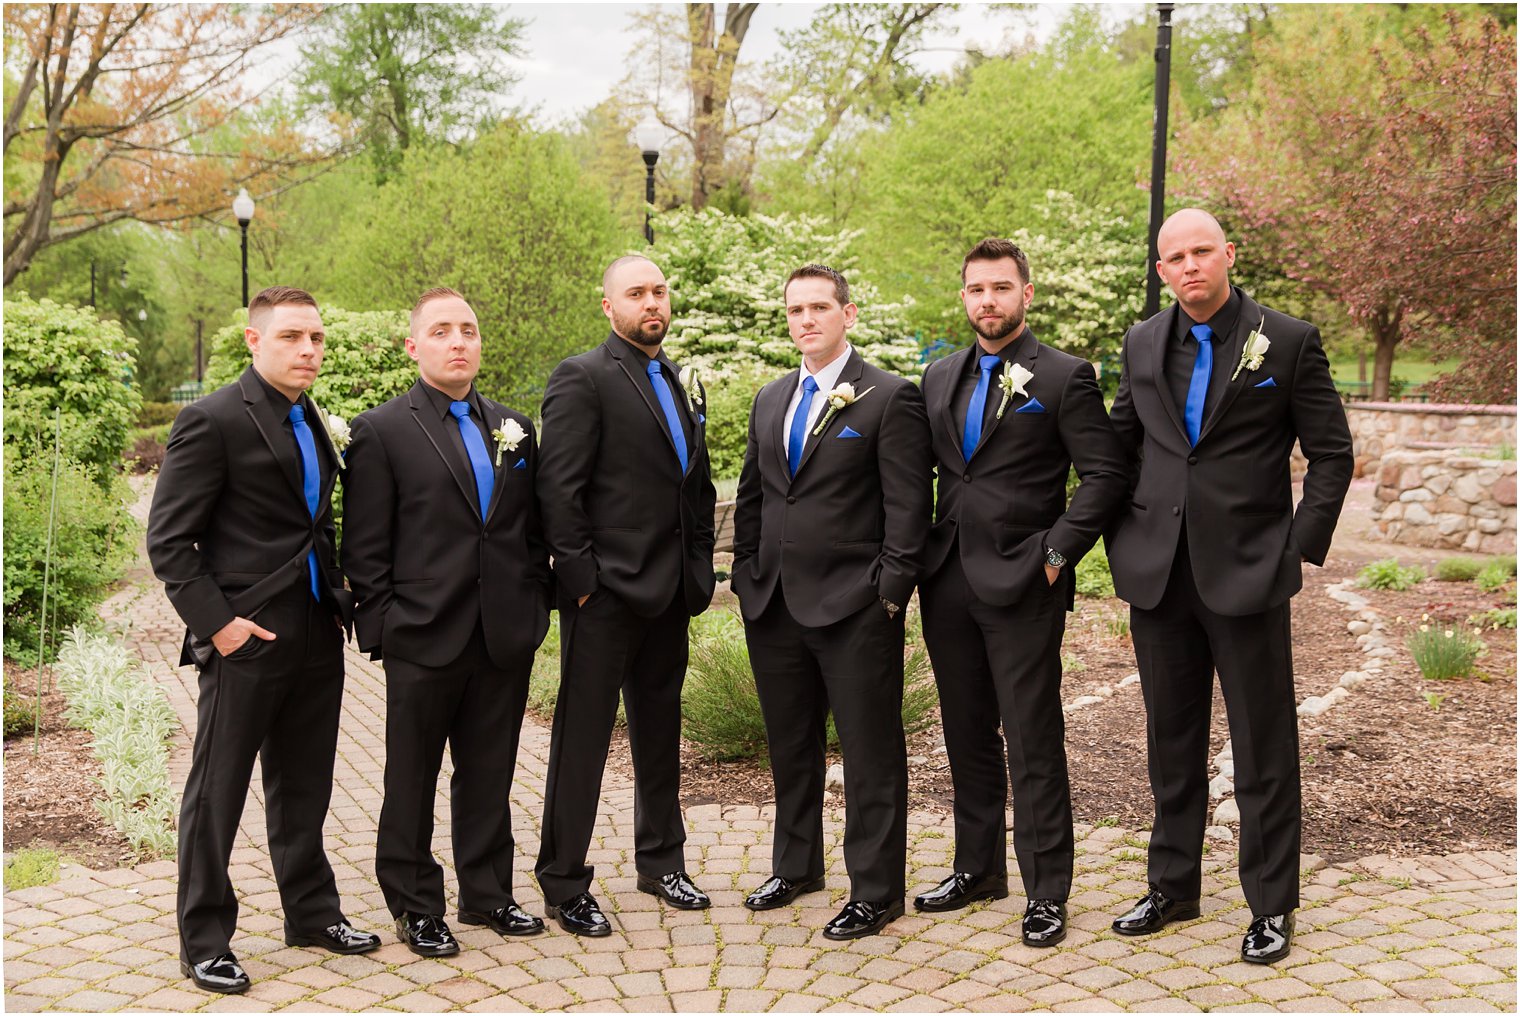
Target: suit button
{"points": [[676, 532], [966, 477], [791, 500], [1192, 460], [1176, 510]]}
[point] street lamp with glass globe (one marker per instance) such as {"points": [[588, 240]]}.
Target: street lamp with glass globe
{"points": [[648, 136], [242, 208]]}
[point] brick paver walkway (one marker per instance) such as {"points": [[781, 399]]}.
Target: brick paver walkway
{"points": [[1417, 934]]}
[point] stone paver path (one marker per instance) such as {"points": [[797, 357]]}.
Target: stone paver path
{"points": [[1381, 934]]}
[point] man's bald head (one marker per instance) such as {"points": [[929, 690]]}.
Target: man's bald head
{"points": [[1194, 259], [609, 277], [636, 300], [1192, 219]]}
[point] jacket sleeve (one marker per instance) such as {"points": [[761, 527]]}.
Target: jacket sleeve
{"points": [[747, 502], [190, 483], [538, 547], [905, 464], [369, 520], [1319, 421], [572, 424], [1095, 451]]}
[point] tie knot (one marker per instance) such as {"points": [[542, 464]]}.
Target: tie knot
{"points": [[297, 414], [653, 370], [989, 362], [809, 384], [459, 410], [1203, 333]]}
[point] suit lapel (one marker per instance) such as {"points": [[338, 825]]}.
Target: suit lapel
{"points": [[778, 421], [1159, 338], [683, 407], [1245, 323], [433, 427], [1026, 353], [645, 392], [325, 448], [853, 368], [266, 415], [958, 364], [502, 460]]}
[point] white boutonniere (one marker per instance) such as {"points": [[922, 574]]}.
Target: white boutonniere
{"points": [[508, 436], [336, 427], [1254, 352], [691, 383], [841, 397], [1013, 379]]}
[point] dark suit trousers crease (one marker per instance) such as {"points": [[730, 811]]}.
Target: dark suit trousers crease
{"points": [[855, 667], [278, 701], [1178, 645], [1004, 663], [605, 649], [477, 707]]}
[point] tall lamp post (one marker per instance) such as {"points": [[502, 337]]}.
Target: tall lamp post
{"points": [[242, 207], [1158, 153], [648, 136]]}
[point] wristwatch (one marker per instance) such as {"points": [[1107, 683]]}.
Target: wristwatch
{"points": [[1054, 558]]}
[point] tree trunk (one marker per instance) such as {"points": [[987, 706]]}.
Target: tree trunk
{"points": [[1386, 333]]}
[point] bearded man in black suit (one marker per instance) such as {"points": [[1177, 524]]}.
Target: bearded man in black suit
{"points": [[1214, 393], [1011, 416], [628, 503], [829, 528], [442, 543], [241, 534]]}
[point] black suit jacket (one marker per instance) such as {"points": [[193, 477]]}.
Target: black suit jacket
{"points": [[229, 509], [1009, 503], [1245, 540], [424, 566], [618, 512], [850, 526]]}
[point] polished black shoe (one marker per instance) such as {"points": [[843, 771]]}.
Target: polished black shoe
{"points": [[580, 916], [1269, 939], [426, 935], [860, 918], [677, 889], [508, 920], [220, 973], [961, 890], [778, 892], [1044, 923], [1154, 912], [339, 938]]}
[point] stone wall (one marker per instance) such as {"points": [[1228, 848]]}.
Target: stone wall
{"points": [[1378, 428], [1436, 499]]}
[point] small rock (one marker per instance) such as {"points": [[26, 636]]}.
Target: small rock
{"points": [[1352, 678], [1083, 701], [1336, 694], [1103, 690], [834, 778], [916, 760], [1310, 862], [1313, 706], [1219, 832], [1359, 627], [941, 750], [1220, 786], [1226, 768], [1227, 813], [1131, 679], [1382, 652]]}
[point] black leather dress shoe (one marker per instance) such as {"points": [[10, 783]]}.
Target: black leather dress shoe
{"points": [[1044, 923], [1269, 939], [508, 920], [860, 918], [778, 892], [961, 890], [580, 916], [1154, 912], [220, 973], [426, 935], [677, 889], [339, 938]]}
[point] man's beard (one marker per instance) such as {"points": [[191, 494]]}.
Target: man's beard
{"points": [[632, 329], [1004, 328]]}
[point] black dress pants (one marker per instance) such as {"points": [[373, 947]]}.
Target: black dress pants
{"points": [[1003, 664], [605, 648], [1179, 644], [855, 668], [278, 700], [477, 707]]}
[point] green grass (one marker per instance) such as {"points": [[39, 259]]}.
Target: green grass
{"points": [[1444, 654], [1411, 370], [1389, 574], [1497, 574], [30, 867]]}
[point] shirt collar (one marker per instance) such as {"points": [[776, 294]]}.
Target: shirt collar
{"points": [[1006, 354], [828, 377], [277, 397], [1222, 323], [441, 401]]}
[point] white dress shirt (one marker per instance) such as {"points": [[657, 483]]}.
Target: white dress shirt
{"points": [[826, 378]]}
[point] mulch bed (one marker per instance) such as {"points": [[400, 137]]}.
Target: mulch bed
{"points": [[50, 796]]}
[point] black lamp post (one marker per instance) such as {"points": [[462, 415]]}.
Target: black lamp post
{"points": [[648, 135], [92, 279], [242, 208], [1158, 153]]}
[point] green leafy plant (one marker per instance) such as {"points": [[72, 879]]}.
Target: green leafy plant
{"points": [[1444, 654], [1117, 625], [1389, 574], [1093, 577], [1499, 617], [29, 867], [1495, 575], [20, 710], [729, 398], [1458, 569], [1434, 700], [157, 414]]}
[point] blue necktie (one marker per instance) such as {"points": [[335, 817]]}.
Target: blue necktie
{"points": [[480, 459], [798, 436], [668, 403], [972, 434], [1198, 388], [311, 479]]}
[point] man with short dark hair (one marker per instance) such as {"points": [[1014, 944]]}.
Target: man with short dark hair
{"points": [[1214, 393], [241, 533], [1010, 416], [441, 540], [628, 512], [829, 531]]}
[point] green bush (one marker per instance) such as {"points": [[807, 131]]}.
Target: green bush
{"points": [[29, 867], [1093, 577], [64, 357], [728, 404], [1444, 654], [1497, 574], [1458, 569], [20, 710], [1499, 617], [94, 539], [1389, 574], [156, 414]]}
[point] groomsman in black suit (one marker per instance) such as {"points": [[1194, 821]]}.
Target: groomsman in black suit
{"points": [[241, 533], [442, 543], [628, 512], [1010, 417], [1214, 393], [829, 529]]}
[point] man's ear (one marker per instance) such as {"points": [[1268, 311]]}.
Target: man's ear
{"points": [[251, 339]]}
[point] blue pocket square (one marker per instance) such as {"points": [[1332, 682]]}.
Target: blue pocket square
{"points": [[701, 418], [521, 464], [847, 432], [1032, 406], [1268, 383]]}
